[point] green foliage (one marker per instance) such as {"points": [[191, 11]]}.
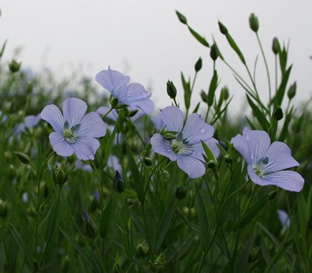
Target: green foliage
{"points": [[162, 221]]}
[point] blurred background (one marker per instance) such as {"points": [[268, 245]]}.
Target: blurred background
{"points": [[144, 39]]}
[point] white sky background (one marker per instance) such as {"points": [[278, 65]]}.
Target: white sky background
{"points": [[144, 39]]}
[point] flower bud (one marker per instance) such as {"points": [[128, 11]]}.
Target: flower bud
{"points": [[65, 264], [181, 192], [171, 90], [211, 164], [158, 264], [60, 175], [168, 135], [94, 204], [228, 159], [147, 161], [253, 22], [198, 64], [225, 92], [14, 66], [3, 208], [114, 103], [90, 229], [276, 48], [223, 28], [214, 52], [292, 90], [278, 113], [24, 158], [142, 249], [118, 182], [204, 96], [182, 18]]}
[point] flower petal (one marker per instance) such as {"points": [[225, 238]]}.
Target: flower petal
{"points": [[173, 118], [31, 121], [53, 115], [91, 126], [158, 122], [162, 146], [138, 97], [196, 129], [240, 144], [74, 109], [60, 145], [113, 115], [191, 165], [85, 148], [112, 80], [283, 218], [280, 158], [258, 143], [288, 180]]}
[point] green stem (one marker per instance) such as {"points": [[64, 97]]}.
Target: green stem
{"points": [[105, 115], [266, 66], [54, 219]]}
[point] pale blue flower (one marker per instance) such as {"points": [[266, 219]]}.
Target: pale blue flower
{"points": [[186, 147], [266, 162], [75, 132], [29, 122], [283, 217], [158, 122], [131, 94]]}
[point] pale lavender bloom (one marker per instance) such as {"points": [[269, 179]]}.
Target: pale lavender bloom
{"points": [[113, 163], [3, 118], [186, 148], [133, 94], [158, 122], [266, 162], [113, 115], [75, 132], [29, 122], [25, 197], [84, 167], [284, 219]]}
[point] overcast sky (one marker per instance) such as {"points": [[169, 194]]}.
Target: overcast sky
{"points": [[144, 38]]}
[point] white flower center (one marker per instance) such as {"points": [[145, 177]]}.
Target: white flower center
{"points": [[177, 146], [70, 134], [258, 168]]}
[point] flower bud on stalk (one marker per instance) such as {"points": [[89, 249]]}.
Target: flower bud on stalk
{"points": [[3, 208], [14, 66], [89, 226], [24, 158], [118, 182], [214, 52], [181, 192], [276, 48], [142, 249], [60, 175], [253, 22], [171, 90], [198, 65], [292, 91], [278, 113]]}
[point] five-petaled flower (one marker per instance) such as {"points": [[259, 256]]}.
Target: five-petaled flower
{"points": [[185, 145], [133, 94], [75, 132], [267, 162]]}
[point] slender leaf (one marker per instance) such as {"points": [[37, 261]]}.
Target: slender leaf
{"points": [[198, 37], [165, 223], [203, 218]]}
